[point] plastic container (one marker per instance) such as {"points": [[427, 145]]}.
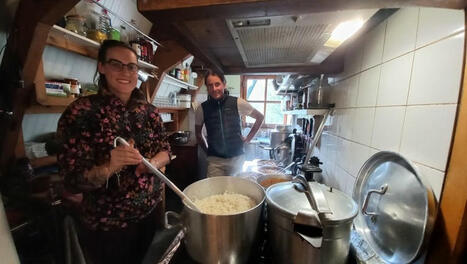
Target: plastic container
{"points": [[114, 34]]}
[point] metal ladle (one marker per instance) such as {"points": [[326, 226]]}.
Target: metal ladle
{"points": [[162, 177]]}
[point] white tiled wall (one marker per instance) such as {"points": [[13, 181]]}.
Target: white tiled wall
{"points": [[398, 92]]}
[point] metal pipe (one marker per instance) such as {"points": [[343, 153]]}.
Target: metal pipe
{"points": [[317, 136]]}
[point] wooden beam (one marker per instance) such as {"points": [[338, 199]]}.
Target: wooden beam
{"points": [[448, 242], [182, 33], [167, 57], [250, 9], [173, 4]]}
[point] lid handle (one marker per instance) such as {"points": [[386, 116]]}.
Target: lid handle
{"points": [[381, 191]]}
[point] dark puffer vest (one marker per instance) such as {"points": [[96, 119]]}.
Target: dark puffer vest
{"points": [[223, 127]]}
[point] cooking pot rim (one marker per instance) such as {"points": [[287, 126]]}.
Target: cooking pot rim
{"points": [[291, 216], [259, 204]]}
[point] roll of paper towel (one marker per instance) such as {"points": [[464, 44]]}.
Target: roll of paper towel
{"points": [[7, 246]]}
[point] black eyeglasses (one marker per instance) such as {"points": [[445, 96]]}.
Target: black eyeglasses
{"points": [[117, 66]]}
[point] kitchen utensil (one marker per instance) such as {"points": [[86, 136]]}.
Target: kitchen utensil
{"points": [[300, 234], [397, 208], [180, 137], [159, 174], [220, 238]]}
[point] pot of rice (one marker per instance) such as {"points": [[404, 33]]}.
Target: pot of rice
{"points": [[228, 225]]}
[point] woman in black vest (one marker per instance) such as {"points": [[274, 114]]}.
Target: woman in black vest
{"points": [[221, 116]]}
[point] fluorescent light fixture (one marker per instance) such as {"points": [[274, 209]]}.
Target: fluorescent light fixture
{"points": [[342, 32]]}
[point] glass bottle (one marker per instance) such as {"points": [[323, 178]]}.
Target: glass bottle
{"points": [[75, 23]]}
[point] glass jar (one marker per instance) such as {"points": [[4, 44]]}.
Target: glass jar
{"points": [[123, 34], [97, 35], [75, 23], [74, 87]]}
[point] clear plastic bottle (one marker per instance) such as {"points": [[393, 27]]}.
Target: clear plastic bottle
{"points": [[104, 24]]}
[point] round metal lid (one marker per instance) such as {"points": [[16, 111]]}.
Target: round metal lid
{"points": [[397, 207], [290, 201]]}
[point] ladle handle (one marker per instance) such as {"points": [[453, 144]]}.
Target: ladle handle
{"points": [[315, 195], [161, 176]]}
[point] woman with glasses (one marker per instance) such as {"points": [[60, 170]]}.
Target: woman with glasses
{"points": [[117, 213]]}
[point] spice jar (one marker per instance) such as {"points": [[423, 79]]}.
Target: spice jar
{"points": [[74, 87]]}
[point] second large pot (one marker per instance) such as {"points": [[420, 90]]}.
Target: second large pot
{"points": [[296, 233], [222, 238]]}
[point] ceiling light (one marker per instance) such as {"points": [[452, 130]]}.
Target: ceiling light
{"points": [[342, 32]]}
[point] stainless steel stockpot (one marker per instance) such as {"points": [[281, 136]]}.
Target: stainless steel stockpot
{"points": [[222, 238], [299, 234]]}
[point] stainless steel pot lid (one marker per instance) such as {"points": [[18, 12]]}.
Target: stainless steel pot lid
{"points": [[290, 201], [396, 207]]}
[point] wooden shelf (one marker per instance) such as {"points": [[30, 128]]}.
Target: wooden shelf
{"points": [[44, 161], [64, 39], [171, 80], [170, 109], [42, 109]]}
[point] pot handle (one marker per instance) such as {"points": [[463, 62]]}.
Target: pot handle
{"points": [[307, 225], [381, 191], [170, 251], [174, 215], [315, 242]]}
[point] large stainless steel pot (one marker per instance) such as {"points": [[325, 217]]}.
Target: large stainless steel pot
{"points": [[299, 234], [279, 135], [222, 238]]}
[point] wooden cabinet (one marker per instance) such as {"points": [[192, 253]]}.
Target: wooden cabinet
{"points": [[177, 115], [184, 169]]}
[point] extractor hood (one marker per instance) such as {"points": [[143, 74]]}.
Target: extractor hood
{"points": [[294, 40]]}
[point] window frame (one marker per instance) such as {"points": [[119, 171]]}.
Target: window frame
{"points": [[243, 90]]}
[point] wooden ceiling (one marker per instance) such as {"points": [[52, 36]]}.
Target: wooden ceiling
{"points": [[200, 26]]}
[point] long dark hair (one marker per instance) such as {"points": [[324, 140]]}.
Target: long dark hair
{"points": [[99, 79], [213, 73]]}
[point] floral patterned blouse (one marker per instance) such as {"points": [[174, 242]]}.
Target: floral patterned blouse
{"points": [[87, 129]]}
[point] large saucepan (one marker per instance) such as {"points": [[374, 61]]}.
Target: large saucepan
{"points": [[309, 223], [219, 238]]}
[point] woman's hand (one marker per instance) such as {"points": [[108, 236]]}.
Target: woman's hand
{"points": [[124, 155], [119, 157], [158, 161]]}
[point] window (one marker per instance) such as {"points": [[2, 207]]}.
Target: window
{"points": [[260, 93]]}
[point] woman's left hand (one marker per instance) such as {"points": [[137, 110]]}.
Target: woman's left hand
{"points": [[141, 168], [159, 161]]}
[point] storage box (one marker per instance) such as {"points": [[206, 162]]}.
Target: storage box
{"points": [[184, 100]]}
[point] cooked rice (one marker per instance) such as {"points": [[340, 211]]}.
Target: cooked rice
{"points": [[225, 204]]}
